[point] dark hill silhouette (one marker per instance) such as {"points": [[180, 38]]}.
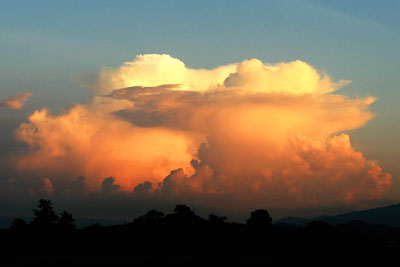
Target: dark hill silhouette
{"points": [[80, 222], [389, 215], [183, 237]]}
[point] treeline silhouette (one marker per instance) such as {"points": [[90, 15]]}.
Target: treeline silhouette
{"points": [[184, 237]]}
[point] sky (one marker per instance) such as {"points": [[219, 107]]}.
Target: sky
{"points": [[67, 57]]}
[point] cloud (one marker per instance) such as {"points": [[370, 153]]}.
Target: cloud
{"points": [[16, 101], [265, 134], [154, 69], [78, 186], [143, 188], [47, 187], [296, 77], [91, 141], [108, 186]]}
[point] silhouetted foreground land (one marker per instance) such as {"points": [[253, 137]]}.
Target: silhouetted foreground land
{"points": [[183, 237]]}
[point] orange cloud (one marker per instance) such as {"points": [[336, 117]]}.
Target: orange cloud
{"points": [[16, 101], [263, 133], [47, 187], [89, 140]]}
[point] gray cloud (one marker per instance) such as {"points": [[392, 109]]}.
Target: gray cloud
{"points": [[143, 188], [78, 186], [108, 186]]}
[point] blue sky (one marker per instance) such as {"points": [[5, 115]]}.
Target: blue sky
{"points": [[44, 45]]}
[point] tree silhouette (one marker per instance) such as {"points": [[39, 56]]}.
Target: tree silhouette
{"points": [[182, 209], [66, 221], [182, 236], [44, 217], [259, 219], [216, 219], [150, 217], [19, 224]]}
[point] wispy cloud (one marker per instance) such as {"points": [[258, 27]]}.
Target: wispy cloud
{"points": [[16, 101]]}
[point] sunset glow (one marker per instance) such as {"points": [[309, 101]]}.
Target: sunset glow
{"points": [[115, 108]]}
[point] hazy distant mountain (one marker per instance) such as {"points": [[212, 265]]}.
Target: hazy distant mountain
{"points": [[389, 216]]}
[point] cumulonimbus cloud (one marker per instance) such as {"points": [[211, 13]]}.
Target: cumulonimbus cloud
{"points": [[16, 101], [258, 132]]}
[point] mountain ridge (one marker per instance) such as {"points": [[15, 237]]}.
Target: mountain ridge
{"points": [[387, 215]]}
